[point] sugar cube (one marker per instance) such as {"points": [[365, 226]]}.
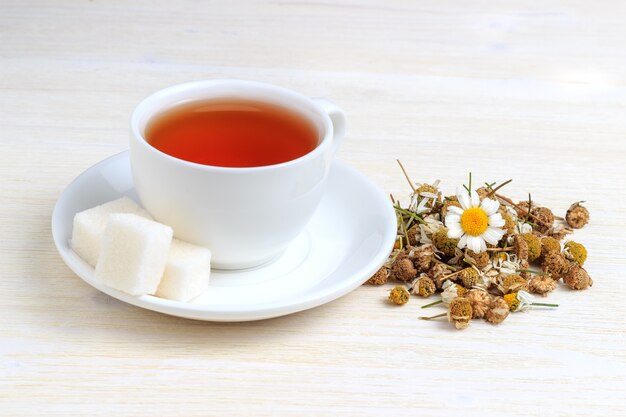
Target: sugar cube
{"points": [[89, 226], [133, 253], [186, 273]]}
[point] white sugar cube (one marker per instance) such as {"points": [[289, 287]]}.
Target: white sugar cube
{"points": [[133, 253], [89, 226], [186, 273]]}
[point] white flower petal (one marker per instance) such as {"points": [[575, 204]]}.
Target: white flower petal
{"points": [[490, 206], [453, 219], [493, 235], [428, 194], [462, 242], [497, 231], [455, 210], [496, 220], [476, 244], [454, 225], [455, 233], [464, 200], [474, 198]]}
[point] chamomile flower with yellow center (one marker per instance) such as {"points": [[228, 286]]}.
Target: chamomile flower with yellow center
{"points": [[475, 223]]}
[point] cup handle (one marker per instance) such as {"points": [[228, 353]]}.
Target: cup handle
{"points": [[337, 118]]}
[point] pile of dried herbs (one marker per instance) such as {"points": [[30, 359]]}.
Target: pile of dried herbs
{"points": [[481, 252]]}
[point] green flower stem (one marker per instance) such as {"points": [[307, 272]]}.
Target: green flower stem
{"points": [[434, 317], [544, 304], [433, 304], [410, 213]]}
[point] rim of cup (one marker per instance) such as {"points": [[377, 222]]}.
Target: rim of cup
{"points": [[142, 115]]}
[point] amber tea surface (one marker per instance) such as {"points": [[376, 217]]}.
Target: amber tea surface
{"points": [[232, 133]]}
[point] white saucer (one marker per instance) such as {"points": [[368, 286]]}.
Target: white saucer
{"points": [[347, 240]]}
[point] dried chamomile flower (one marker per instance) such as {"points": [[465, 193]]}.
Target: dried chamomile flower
{"points": [[549, 244], [522, 209], [423, 286], [452, 201], [541, 284], [576, 252], [577, 278], [443, 243], [423, 257], [399, 295], [430, 226], [479, 260], [460, 312], [469, 277], [558, 232], [380, 277], [428, 190], [451, 291], [403, 270], [577, 216], [512, 283], [483, 192], [498, 311], [480, 301], [534, 246], [555, 264], [520, 247], [413, 235], [438, 273], [545, 218], [522, 300]]}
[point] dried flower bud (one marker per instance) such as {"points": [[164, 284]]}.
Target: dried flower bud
{"points": [[542, 284], [577, 216], [522, 208], [498, 311], [483, 192], [577, 278], [399, 295], [451, 291], [480, 300], [575, 252], [521, 301], [513, 283], [545, 217], [479, 260], [423, 257], [413, 234], [460, 312], [555, 264], [534, 246], [549, 244], [469, 277], [380, 277], [520, 247], [438, 274], [403, 270], [428, 189], [423, 286], [443, 243]]}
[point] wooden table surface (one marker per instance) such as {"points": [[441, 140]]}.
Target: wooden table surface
{"points": [[529, 90]]}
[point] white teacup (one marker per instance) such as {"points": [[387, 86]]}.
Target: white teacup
{"points": [[245, 216]]}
